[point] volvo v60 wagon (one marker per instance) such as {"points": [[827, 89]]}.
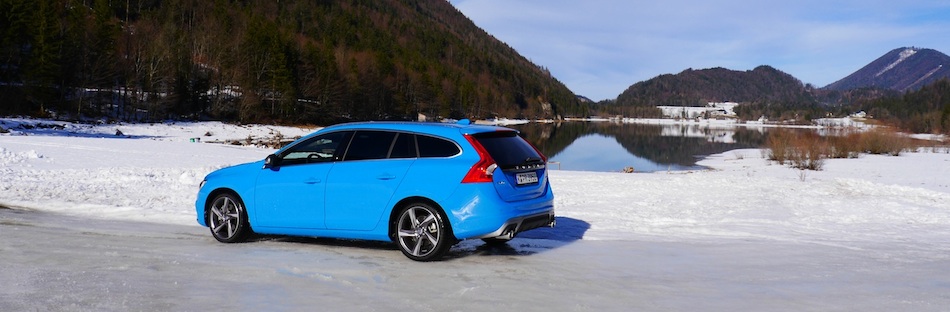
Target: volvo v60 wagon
{"points": [[424, 186]]}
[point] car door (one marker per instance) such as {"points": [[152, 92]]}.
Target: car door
{"points": [[360, 187], [290, 193]]}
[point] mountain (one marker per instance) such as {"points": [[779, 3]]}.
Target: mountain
{"points": [[584, 99], [698, 87], [763, 91], [901, 69], [262, 60]]}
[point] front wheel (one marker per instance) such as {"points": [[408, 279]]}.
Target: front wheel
{"points": [[422, 234], [227, 219]]}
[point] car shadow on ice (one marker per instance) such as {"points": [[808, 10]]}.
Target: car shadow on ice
{"points": [[332, 242], [527, 243]]}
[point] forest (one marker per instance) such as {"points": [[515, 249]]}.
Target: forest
{"points": [[922, 111], [763, 91], [324, 61], [315, 62]]}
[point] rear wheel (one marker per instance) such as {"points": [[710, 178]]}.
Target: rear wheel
{"points": [[421, 233], [227, 219]]}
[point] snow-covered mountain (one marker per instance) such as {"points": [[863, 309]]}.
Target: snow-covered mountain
{"points": [[900, 69]]}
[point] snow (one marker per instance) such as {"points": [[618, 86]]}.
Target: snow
{"points": [[901, 57], [150, 173], [927, 75], [154, 174], [713, 109], [882, 210]]}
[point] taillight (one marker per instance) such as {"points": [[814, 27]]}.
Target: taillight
{"points": [[483, 169]]}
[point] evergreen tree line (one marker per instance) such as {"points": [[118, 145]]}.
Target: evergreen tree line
{"points": [[317, 61], [922, 111]]}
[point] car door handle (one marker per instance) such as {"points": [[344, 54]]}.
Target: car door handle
{"points": [[311, 181], [386, 177]]}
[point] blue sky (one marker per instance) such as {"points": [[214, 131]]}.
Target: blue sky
{"points": [[598, 48]]}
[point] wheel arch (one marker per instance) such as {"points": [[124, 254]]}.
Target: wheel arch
{"points": [[219, 191], [402, 204]]}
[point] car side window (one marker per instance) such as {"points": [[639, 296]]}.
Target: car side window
{"points": [[370, 145], [436, 147], [404, 146], [322, 148]]}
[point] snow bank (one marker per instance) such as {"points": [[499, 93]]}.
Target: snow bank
{"points": [[167, 131]]}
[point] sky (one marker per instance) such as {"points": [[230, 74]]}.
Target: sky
{"points": [[598, 48]]}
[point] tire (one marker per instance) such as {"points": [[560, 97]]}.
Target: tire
{"points": [[227, 219], [422, 234]]}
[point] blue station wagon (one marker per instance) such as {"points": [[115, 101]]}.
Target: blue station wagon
{"points": [[424, 186]]}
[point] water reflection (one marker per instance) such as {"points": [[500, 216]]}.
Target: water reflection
{"points": [[605, 146], [597, 152]]}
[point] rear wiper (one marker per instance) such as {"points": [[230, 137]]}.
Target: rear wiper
{"points": [[531, 160]]}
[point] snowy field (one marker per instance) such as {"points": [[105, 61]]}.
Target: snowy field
{"points": [[891, 210], [151, 173]]}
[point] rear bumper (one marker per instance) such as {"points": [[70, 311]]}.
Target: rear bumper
{"points": [[521, 224], [476, 211]]}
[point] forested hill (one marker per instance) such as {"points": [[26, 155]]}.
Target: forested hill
{"points": [[290, 61], [766, 90], [697, 87]]}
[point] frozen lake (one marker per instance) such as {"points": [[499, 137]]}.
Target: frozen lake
{"points": [[611, 147]]}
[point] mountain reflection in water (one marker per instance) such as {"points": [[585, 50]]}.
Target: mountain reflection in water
{"points": [[607, 146]]}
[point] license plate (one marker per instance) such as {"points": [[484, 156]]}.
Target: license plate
{"points": [[527, 178]]}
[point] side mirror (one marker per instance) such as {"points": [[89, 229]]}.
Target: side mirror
{"points": [[272, 161]]}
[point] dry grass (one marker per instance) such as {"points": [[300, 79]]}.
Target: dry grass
{"points": [[802, 150], [845, 146], [808, 150], [881, 141]]}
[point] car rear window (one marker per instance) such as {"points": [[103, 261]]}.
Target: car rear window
{"points": [[508, 149]]}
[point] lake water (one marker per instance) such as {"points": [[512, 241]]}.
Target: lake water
{"points": [[608, 146]]}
